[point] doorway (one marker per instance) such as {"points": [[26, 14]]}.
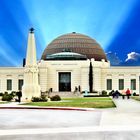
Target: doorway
{"points": [[64, 81]]}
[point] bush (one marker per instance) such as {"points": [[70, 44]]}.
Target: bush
{"points": [[6, 92], [134, 94], [13, 93], [43, 98], [55, 98], [7, 97], [39, 99], [1, 94], [104, 93], [35, 99], [111, 92]]}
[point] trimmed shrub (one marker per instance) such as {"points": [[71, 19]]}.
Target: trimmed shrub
{"points": [[55, 98], [111, 92], [134, 94], [104, 93], [43, 98], [13, 93], [1, 94], [7, 97], [39, 99], [35, 99], [6, 92]]}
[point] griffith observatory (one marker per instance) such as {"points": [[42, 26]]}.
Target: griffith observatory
{"points": [[64, 65]]}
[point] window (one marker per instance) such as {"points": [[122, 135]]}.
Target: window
{"points": [[9, 84], [121, 84], [133, 84], [20, 84], [109, 84]]}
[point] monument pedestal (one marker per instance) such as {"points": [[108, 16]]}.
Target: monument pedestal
{"points": [[30, 91]]}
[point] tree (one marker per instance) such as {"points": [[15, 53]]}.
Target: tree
{"points": [[90, 77]]}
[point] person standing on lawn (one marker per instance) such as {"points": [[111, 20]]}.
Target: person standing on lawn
{"points": [[128, 93], [19, 94]]}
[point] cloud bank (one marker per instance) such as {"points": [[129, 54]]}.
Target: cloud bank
{"points": [[133, 59]]}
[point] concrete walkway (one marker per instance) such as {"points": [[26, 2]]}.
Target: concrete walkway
{"points": [[127, 112], [127, 105], [123, 106], [120, 123]]}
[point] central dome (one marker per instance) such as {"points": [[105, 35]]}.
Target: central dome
{"points": [[77, 43]]}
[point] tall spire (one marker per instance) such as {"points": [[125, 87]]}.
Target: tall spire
{"points": [[31, 49], [31, 87]]}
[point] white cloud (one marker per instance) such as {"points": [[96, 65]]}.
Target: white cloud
{"points": [[133, 56]]}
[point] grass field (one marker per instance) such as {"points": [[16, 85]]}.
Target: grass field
{"points": [[136, 98], [89, 102], [4, 102]]}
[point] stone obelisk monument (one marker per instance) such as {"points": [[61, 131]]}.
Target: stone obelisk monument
{"points": [[31, 86]]}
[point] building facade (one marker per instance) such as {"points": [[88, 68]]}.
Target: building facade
{"points": [[64, 65]]}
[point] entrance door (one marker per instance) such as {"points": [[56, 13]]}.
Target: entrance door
{"points": [[64, 81]]}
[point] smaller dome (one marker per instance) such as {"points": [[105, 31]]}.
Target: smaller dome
{"points": [[66, 56]]}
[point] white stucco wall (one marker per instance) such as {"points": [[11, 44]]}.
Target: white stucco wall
{"points": [[79, 73], [13, 73], [48, 75], [126, 73]]}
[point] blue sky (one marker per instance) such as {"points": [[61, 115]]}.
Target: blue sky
{"points": [[115, 24]]}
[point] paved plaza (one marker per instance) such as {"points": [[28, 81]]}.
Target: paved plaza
{"points": [[121, 123]]}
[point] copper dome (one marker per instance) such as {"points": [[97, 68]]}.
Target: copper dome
{"points": [[77, 43]]}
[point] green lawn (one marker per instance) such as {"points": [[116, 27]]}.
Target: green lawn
{"points": [[89, 102], [3, 102], [136, 98]]}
